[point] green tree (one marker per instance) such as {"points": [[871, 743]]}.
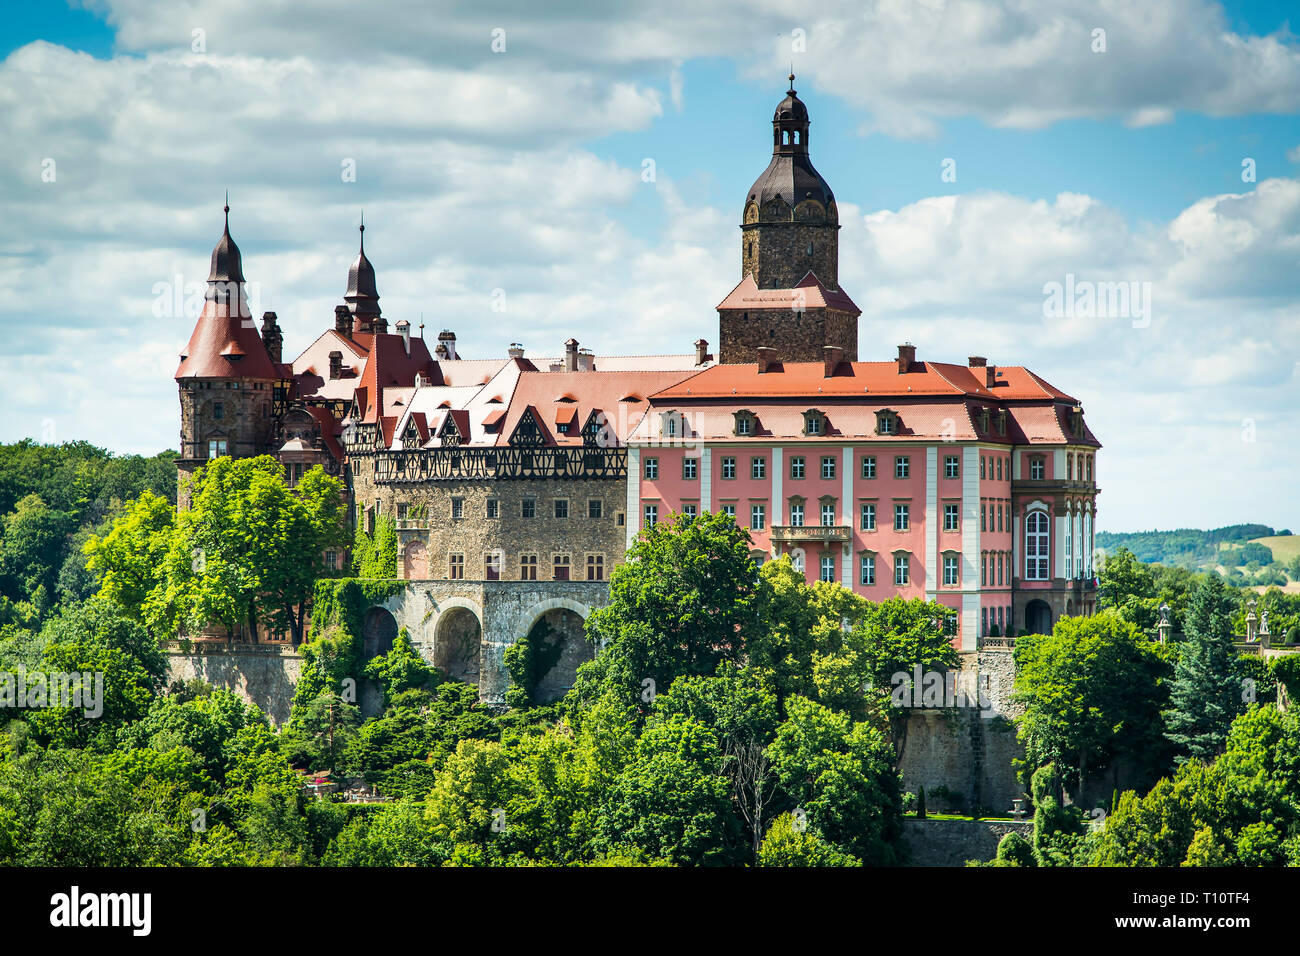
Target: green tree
{"points": [[1206, 691], [1092, 691], [249, 548], [129, 558], [789, 843], [685, 600]]}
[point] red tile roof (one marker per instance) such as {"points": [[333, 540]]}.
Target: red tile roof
{"points": [[223, 345], [813, 293]]}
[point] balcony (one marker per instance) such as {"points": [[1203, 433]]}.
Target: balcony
{"points": [[837, 533]]}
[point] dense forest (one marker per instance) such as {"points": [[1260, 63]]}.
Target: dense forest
{"points": [[53, 498], [736, 714], [1229, 547]]}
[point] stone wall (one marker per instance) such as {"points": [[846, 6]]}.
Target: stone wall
{"points": [[968, 750], [264, 675], [796, 336], [427, 541], [776, 253], [953, 842]]}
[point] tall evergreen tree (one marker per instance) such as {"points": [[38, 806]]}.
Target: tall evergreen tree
{"points": [[1206, 690]]}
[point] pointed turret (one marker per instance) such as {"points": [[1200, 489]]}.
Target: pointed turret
{"points": [[363, 295]]}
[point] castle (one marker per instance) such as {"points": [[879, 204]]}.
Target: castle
{"points": [[516, 483]]}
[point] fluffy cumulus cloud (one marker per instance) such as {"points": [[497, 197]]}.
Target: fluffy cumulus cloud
{"points": [[478, 178]]}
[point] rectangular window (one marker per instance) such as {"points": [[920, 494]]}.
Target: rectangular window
{"points": [[493, 508], [950, 466], [651, 469], [689, 510], [796, 466], [651, 515], [403, 508], [828, 515], [982, 521], [999, 570], [492, 566], [331, 560], [981, 467], [999, 469], [529, 507], [1036, 469], [902, 568], [528, 567], [595, 567], [867, 569], [950, 517], [984, 570], [869, 466], [950, 569], [218, 411], [728, 467], [828, 567], [216, 448], [901, 515], [729, 511], [984, 620], [887, 424], [594, 508], [814, 425], [458, 507], [868, 517], [743, 425], [560, 567], [561, 507], [690, 468], [455, 566], [796, 516], [757, 517], [902, 466], [828, 468], [758, 468]]}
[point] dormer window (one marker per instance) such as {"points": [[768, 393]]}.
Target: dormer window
{"points": [[984, 419], [672, 424], [814, 422], [746, 422], [1002, 421], [886, 422]]}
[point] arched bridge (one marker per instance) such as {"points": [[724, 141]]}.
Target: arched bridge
{"points": [[464, 627]]}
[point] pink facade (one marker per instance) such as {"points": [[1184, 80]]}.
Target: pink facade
{"points": [[908, 479]]}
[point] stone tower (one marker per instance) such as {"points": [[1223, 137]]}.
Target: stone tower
{"points": [[227, 379], [789, 298]]}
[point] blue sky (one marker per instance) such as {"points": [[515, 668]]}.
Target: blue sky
{"points": [[521, 171]]}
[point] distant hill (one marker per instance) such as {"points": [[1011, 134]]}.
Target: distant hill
{"points": [[1195, 548]]}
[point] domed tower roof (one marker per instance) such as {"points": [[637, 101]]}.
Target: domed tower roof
{"points": [[790, 176], [227, 265], [362, 294]]}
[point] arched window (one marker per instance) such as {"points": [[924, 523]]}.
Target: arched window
{"points": [[1037, 542]]}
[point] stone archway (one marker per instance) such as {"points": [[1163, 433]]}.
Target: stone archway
{"points": [[1038, 617], [378, 632], [558, 627], [457, 642]]}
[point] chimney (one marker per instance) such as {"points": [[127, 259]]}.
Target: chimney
{"points": [[701, 351], [516, 351], [906, 356], [336, 365], [342, 320], [557, 366], [571, 355], [832, 356], [448, 338], [990, 376], [767, 357], [586, 360], [271, 337], [404, 330], [976, 361]]}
